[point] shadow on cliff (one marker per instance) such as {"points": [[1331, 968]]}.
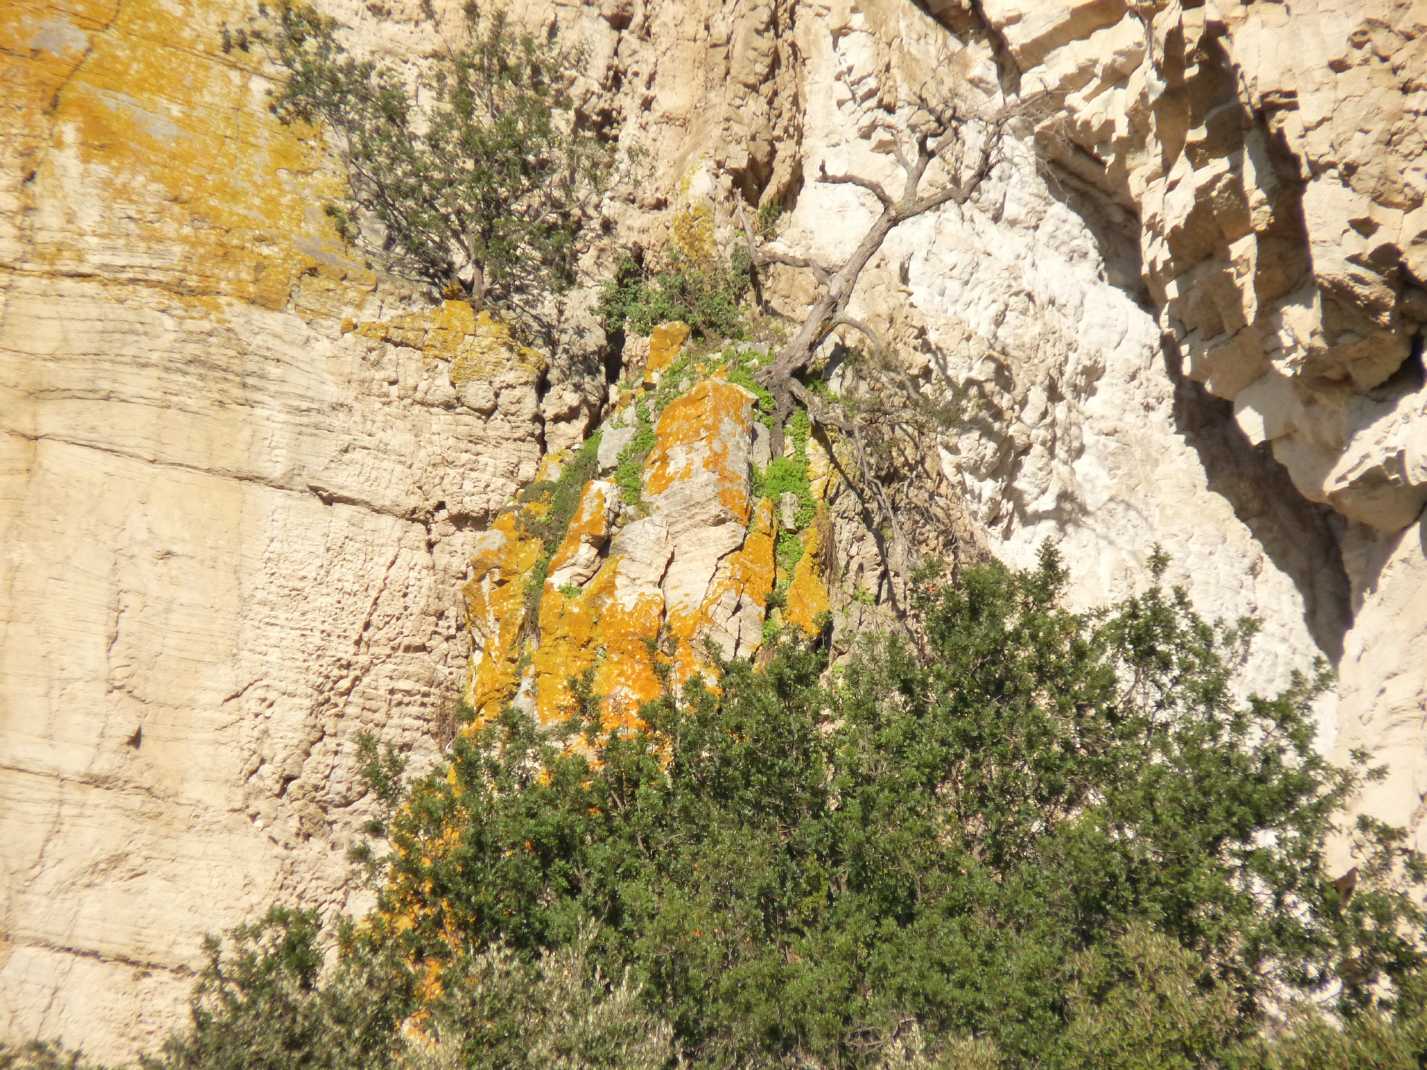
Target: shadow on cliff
{"points": [[1300, 537]]}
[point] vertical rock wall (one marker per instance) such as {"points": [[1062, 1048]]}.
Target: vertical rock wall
{"points": [[232, 532], [242, 486], [1271, 155]]}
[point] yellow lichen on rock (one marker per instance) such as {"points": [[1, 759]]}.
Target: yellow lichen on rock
{"points": [[627, 667], [588, 528], [41, 46], [153, 115], [807, 598], [752, 570], [692, 232], [666, 341], [495, 614], [476, 345], [595, 631], [637, 584], [570, 619], [697, 429]]}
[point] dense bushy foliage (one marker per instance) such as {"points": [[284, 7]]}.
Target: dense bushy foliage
{"points": [[707, 295], [476, 179], [975, 834], [1026, 838]]}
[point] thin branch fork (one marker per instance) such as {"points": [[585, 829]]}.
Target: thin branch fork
{"points": [[866, 329], [773, 256], [764, 256], [870, 185], [830, 419]]}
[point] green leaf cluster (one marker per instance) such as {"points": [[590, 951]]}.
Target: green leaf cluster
{"points": [[706, 296], [561, 500], [742, 368], [789, 474], [476, 180], [1061, 834], [561, 495], [629, 465]]}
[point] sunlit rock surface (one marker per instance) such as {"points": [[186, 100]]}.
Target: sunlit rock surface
{"points": [[254, 500]]}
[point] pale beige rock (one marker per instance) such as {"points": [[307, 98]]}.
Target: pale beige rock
{"points": [[1072, 430], [233, 532], [1273, 154], [233, 524], [598, 505], [1381, 706]]}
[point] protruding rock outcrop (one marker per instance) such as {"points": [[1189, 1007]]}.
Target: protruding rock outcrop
{"points": [[1272, 155], [631, 554]]}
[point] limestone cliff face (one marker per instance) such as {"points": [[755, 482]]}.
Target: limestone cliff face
{"points": [[232, 528], [256, 499], [1272, 157]]}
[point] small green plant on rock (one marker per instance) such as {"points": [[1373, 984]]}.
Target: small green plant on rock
{"points": [[708, 297], [560, 499], [629, 466]]}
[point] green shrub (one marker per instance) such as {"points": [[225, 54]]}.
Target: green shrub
{"points": [[765, 223], [1037, 831], [561, 496], [787, 552], [498, 1012], [1030, 839], [742, 375], [1380, 1040], [259, 1006], [262, 1002], [478, 178], [707, 297]]}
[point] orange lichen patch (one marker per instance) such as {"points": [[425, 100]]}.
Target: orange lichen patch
{"points": [[567, 650], [696, 429], [807, 594], [590, 526], [160, 145], [41, 45], [570, 624], [665, 342], [627, 676], [495, 612], [752, 569], [595, 630], [476, 345], [682, 630], [747, 575]]}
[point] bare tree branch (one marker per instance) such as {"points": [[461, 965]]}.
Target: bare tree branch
{"points": [[944, 133], [867, 330], [873, 187], [763, 256], [773, 256], [899, 155]]}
